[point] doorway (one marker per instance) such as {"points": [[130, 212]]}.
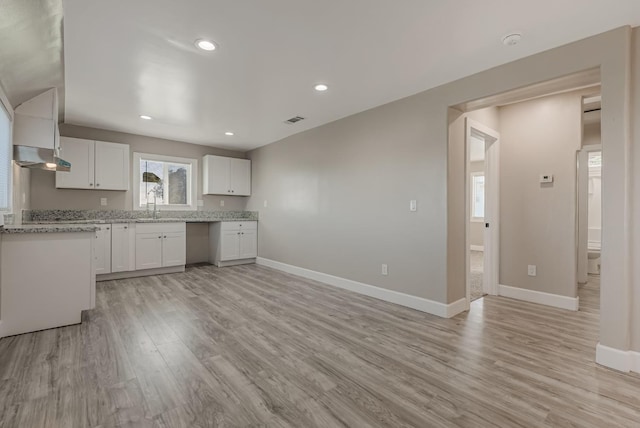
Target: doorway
{"points": [[482, 166], [589, 200]]}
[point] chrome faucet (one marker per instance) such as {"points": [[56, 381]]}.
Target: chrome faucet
{"points": [[155, 204]]}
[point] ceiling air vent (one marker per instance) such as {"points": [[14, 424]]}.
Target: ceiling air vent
{"points": [[294, 120]]}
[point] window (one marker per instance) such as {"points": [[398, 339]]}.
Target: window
{"points": [[6, 153], [166, 181], [477, 196]]}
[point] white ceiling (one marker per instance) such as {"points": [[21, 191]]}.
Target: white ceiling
{"points": [[125, 58], [31, 49]]}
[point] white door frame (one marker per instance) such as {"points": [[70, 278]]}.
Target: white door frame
{"points": [[582, 212], [492, 206]]}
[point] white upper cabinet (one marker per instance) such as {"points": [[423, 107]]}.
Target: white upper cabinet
{"points": [[80, 153], [94, 165], [111, 166], [226, 176]]}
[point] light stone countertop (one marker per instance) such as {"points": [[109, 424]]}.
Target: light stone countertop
{"points": [[48, 228]]}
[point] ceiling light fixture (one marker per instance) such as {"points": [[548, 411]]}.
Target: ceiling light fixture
{"points": [[229, 134], [145, 117], [512, 39], [205, 45], [321, 87], [50, 165]]}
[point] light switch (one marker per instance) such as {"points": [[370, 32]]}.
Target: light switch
{"points": [[385, 269], [531, 270], [103, 202], [265, 204], [222, 202], [413, 205]]}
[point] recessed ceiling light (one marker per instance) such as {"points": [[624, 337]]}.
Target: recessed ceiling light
{"points": [[512, 39], [229, 134], [205, 45], [145, 117], [50, 165], [321, 87]]}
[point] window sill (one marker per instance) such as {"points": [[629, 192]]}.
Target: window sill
{"points": [[477, 220]]}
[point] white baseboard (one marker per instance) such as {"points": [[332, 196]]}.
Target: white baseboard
{"points": [[635, 361], [539, 297], [476, 247], [617, 359], [425, 305]]}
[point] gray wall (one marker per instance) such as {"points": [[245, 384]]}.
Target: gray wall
{"points": [[538, 221], [44, 195], [338, 195]]}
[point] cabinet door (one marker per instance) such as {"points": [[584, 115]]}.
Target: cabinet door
{"points": [[111, 166], [215, 177], [174, 249], [148, 250], [81, 155], [103, 249], [120, 248], [229, 245], [240, 177], [248, 244]]}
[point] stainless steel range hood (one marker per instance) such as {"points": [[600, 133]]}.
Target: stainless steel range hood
{"points": [[39, 158], [36, 137]]}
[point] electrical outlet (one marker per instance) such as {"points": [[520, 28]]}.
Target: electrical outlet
{"points": [[531, 270], [200, 203], [385, 269], [222, 202], [265, 204], [103, 202], [413, 205]]}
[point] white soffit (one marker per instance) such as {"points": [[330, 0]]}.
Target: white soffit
{"points": [[128, 58]]}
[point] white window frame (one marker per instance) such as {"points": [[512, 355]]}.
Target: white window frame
{"points": [[192, 198], [473, 196], [6, 105]]}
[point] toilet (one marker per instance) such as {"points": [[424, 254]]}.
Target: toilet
{"points": [[593, 252]]}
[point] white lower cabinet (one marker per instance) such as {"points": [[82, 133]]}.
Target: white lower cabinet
{"points": [[121, 247], [233, 242], [160, 245], [103, 249]]}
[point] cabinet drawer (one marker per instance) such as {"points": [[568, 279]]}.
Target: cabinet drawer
{"points": [[237, 225], [160, 227]]}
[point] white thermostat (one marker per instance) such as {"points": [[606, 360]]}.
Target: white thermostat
{"points": [[546, 178]]}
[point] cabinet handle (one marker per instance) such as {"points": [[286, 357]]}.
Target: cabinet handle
{"points": [[108, 228], [90, 184], [241, 233], [165, 236], [97, 184], [126, 227], [160, 237], [238, 233]]}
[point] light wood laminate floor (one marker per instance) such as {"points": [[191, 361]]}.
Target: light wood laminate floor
{"points": [[250, 346]]}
